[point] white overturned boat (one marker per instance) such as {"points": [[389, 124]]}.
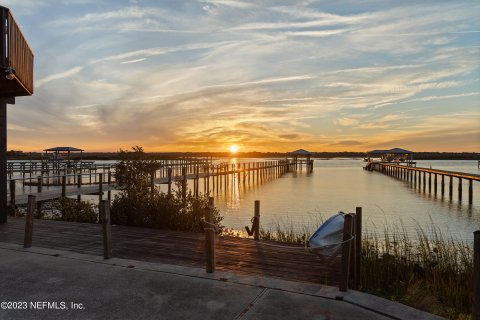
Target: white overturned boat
{"points": [[328, 239]]}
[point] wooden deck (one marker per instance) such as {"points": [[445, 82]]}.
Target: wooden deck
{"points": [[57, 193], [244, 256]]}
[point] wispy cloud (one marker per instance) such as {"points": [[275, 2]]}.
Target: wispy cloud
{"points": [[57, 76], [269, 76]]}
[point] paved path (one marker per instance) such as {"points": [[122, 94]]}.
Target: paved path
{"points": [[130, 289]]}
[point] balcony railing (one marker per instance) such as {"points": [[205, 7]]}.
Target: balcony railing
{"points": [[15, 55]]}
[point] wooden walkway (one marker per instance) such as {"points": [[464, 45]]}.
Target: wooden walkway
{"points": [[239, 255], [57, 193], [245, 172], [418, 176]]}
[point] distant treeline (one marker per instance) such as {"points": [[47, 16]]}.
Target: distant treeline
{"points": [[20, 155]]}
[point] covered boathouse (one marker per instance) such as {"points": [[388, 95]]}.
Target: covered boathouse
{"points": [[396, 155]]}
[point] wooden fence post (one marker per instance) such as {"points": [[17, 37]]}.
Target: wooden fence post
{"points": [[184, 184], [476, 276], [27, 242], [12, 196], [39, 190], [347, 234], [109, 193], [169, 175], [106, 228], [64, 186], [210, 239], [100, 187], [358, 247], [39, 184], [256, 221]]}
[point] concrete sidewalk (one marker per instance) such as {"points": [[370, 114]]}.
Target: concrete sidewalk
{"points": [[51, 284]]}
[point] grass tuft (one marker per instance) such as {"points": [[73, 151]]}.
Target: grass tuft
{"points": [[428, 271]]}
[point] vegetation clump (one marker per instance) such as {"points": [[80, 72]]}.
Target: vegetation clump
{"points": [[73, 210], [428, 272], [140, 203]]}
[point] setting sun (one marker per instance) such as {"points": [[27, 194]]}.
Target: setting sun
{"points": [[233, 148]]}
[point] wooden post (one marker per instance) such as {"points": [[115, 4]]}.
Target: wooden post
{"points": [[443, 185], [476, 276], [109, 193], [184, 184], [39, 190], [429, 182], [27, 242], [106, 228], [347, 234], [450, 188], [210, 239], [459, 189], [256, 220], [12, 196], [100, 187], [39, 184], [470, 191], [435, 184], [64, 186], [152, 184], [424, 181], [169, 175], [358, 247], [79, 184]]}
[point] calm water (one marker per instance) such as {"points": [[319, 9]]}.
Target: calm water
{"points": [[300, 199]]}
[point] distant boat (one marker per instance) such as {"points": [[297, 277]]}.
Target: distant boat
{"points": [[328, 239]]}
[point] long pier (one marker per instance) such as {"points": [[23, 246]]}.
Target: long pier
{"points": [[49, 187], [418, 176]]}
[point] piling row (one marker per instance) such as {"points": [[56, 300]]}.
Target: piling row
{"points": [[433, 180]]}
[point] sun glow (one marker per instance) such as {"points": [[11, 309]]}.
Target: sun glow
{"points": [[233, 148]]}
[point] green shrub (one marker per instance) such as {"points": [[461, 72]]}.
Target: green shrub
{"points": [[140, 204], [73, 210]]}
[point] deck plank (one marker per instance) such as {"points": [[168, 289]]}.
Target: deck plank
{"points": [[240, 255]]}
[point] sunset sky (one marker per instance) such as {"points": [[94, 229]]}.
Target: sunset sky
{"points": [[265, 75]]}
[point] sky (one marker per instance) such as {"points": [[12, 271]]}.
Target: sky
{"points": [[264, 75]]}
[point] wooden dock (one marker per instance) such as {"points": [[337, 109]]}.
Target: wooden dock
{"points": [[239, 255], [213, 176], [418, 177]]}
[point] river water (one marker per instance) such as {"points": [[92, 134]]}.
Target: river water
{"points": [[301, 200]]}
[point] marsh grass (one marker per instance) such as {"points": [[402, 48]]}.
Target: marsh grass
{"points": [[427, 271], [430, 272]]}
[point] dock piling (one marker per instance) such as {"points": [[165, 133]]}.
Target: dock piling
{"points": [[358, 247], [27, 241], [106, 228], [344, 268], [210, 239]]}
